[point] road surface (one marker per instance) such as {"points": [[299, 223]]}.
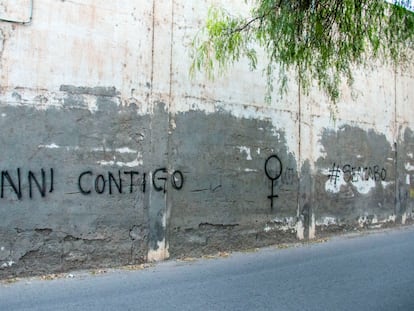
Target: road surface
{"points": [[360, 272]]}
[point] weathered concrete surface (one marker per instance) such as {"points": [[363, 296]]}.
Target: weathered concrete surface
{"points": [[111, 155], [225, 203], [356, 179], [82, 214]]}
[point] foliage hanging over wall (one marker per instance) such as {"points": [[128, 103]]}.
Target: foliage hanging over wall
{"points": [[321, 40]]}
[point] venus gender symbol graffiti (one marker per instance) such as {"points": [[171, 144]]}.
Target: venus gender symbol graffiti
{"points": [[273, 169]]}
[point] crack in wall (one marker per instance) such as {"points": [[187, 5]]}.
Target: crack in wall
{"points": [[205, 225], [2, 47]]}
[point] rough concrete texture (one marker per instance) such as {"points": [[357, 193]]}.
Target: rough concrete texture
{"points": [[66, 190], [356, 181], [223, 159], [111, 155]]}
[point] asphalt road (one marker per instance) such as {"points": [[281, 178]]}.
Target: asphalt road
{"points": [[365, 272]]}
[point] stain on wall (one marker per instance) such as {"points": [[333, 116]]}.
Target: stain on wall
{"points": [[84, 187], [69, 198], [356, 177], [405, 177], [225, 203], [111, 155]]}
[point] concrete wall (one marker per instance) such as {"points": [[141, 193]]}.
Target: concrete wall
{"points": [[111, 155]]}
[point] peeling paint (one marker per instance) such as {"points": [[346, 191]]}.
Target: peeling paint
{"points": [[391, 218], [312, 227], [161, 253], [326, 221], [287, 224], [373, 222], [409, 167], [64, 109], [123, 150], [118, 150], [134, 163], [43, 100], [246, 150], [173, 124], [334, 187], [50, 146], [364, 186], [7, 264], [386, 184], [300, 230], [249, 170]]}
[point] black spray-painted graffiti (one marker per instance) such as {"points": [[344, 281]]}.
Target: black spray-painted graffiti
{"points": [[356, 174], [273, 170], [43, 183], [278, 175], [288, 176], [159, 180], [99, 183], [89, 182]]}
